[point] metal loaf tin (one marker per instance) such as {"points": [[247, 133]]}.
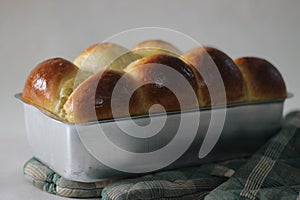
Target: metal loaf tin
{"points": [[57, 144]]}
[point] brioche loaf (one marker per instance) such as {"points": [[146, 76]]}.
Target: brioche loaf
{"points": [[82, 91]]}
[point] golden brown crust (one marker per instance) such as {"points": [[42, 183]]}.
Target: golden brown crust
{"points": [[51, 84], [154, 47], [206, 58], [44, 84], [103, 56], [149, 70], [263, 80], [92, 99]]}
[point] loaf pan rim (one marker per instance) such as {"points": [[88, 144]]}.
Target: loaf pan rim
{"points": [[18, 96]]}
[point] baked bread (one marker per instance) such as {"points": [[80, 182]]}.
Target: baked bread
{"points": [[263, 80], [104, 56], [91, 100], [74, 95], [204, 59], [154, 47], [49, 84], [155, 71]]}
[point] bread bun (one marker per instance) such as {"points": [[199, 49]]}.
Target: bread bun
{"points": [[154, 47], [176, 83], [49, 84], [92, 99], [150, 70], [264, 81], [206, 58], [104, 56]]}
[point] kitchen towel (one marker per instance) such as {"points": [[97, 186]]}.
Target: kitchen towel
{"points": [[47, 180], [271, 173], [184, 183]]}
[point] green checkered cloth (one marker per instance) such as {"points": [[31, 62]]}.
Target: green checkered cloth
{"points": [[272, 173], [185, 183], [47, 180], [188, 183]]}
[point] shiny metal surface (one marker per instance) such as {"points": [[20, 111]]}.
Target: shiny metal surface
{"points": [[57, 144]]}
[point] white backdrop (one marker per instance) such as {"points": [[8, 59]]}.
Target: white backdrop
{"points": [[32, 31]]}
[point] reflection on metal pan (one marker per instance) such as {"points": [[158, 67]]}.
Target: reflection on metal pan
{"points": [[58, 144]]}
